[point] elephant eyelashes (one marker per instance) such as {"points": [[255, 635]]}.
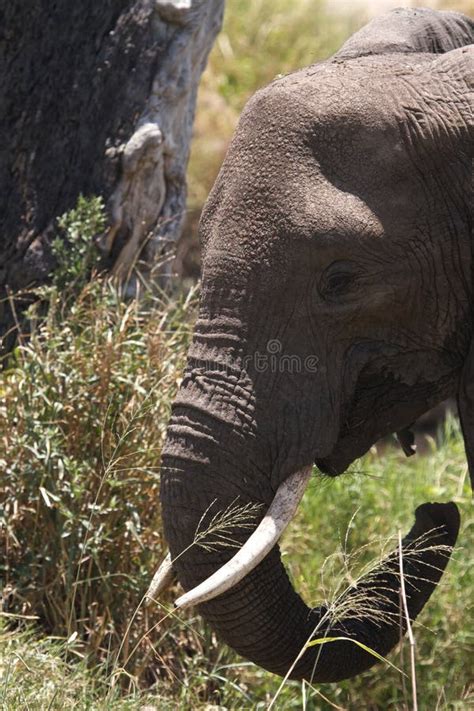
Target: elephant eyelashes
{"points": [[338, 280]]}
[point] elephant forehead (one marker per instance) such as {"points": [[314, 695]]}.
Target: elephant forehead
{"points": [[329, 221], [276, 204], [329, 210], [290, 144], [318, 152]]}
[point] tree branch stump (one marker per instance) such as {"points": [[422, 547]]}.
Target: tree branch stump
{"points": [[97, 98]]}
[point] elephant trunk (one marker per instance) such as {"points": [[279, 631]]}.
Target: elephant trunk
{"points": [[210, 507]]}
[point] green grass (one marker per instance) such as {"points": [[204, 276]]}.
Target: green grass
{"points": [[371, 506]]}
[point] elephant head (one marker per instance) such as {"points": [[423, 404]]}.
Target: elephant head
{"points": [[336, 308]]}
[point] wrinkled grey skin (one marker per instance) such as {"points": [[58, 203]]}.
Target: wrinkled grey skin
{"points": [[340, 227]]}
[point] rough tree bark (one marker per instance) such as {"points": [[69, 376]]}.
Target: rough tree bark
{"points": [[96, 98]]}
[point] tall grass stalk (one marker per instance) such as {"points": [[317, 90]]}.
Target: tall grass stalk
{"points": [[411, 636]]}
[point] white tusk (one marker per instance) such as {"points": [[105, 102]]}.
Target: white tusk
{"points": [[162, 579], [260, 543]]}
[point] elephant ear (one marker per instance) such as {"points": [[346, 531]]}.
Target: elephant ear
{"points": [[466, 409], [464, 71]]}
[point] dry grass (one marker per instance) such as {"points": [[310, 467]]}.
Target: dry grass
{"points": [[84, 408]]}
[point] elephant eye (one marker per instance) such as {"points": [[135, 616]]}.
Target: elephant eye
{"points": [[338, 279]]}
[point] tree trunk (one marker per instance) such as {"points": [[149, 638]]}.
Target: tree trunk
{"points": [[96, 98]]}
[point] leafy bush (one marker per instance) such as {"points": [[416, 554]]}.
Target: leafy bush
{"points": [[75, 250]]}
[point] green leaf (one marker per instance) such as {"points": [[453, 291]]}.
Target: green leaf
{"points": [[324, 640]]}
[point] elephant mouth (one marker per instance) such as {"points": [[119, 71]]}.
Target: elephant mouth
{"points": [[346, 452], [398, 405], [350, 446], [335, 464]]}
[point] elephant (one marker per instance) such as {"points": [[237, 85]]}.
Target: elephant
{"points": [[336, 308]]}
